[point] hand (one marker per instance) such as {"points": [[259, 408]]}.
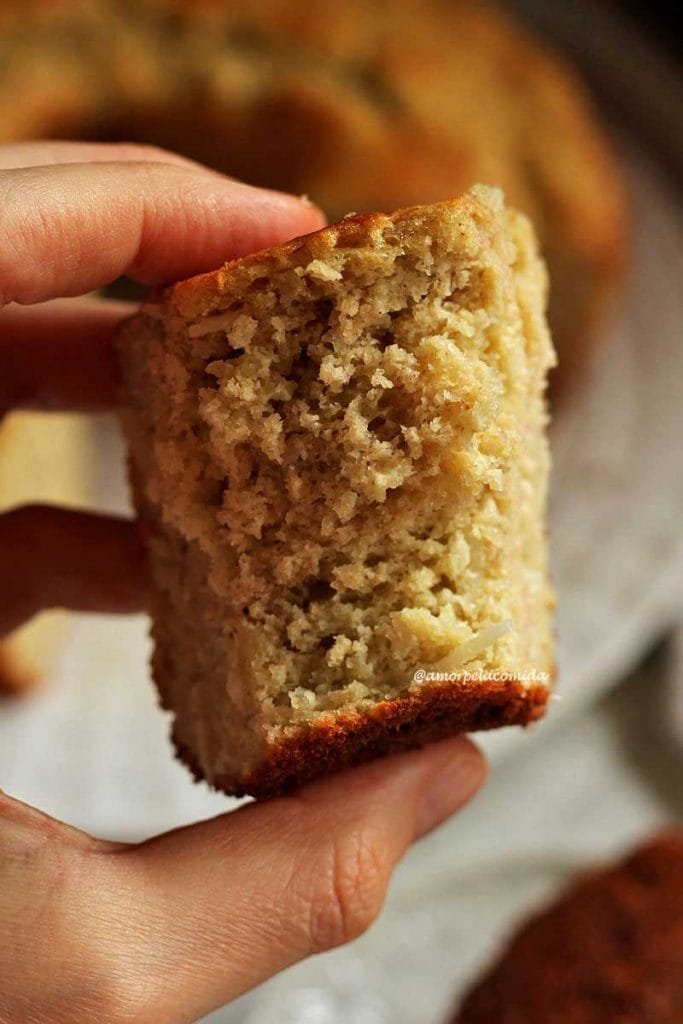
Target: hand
{"points": [[171, 928]]}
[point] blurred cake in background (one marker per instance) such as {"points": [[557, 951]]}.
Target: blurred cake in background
{"points": [[43, 458], [362, 104], [610, 951]]}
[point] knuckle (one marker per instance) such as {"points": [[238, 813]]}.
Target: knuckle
{"points": [[349, 893], [26, 237], [36, 888], [55, 949], [100, 987]]}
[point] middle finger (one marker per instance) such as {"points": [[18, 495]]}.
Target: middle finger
{"points": [[59, 355]]}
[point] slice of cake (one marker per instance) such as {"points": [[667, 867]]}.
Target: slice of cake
{"points": [[610, 951], [338, 455]]}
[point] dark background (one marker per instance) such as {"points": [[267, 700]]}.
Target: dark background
{"points": [[662, 22]]}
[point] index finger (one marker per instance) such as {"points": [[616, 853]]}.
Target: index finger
{"points": [[70, 228], [32, 153]]}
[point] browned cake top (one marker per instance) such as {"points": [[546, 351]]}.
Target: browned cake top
{"points": [[610, 952]]}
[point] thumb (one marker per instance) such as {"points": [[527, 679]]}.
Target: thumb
{"points": [[209, 911], [171, 928]]}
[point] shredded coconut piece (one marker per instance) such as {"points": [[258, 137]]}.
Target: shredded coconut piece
{"points": [[473, 647], [211, 324]]}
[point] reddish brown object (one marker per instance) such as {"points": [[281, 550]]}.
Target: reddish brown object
{"points": [[399, 724], [609, 952]]}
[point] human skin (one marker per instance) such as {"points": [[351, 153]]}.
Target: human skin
{"points": [[168, 929]]}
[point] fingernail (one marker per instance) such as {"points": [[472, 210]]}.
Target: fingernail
{"points": [[454, 779]]}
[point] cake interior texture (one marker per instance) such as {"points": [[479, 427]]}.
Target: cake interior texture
{"points": [[338, 454]]}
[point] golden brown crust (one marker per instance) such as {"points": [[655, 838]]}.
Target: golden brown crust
{"points": [[343, 740], [196, 295]]}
